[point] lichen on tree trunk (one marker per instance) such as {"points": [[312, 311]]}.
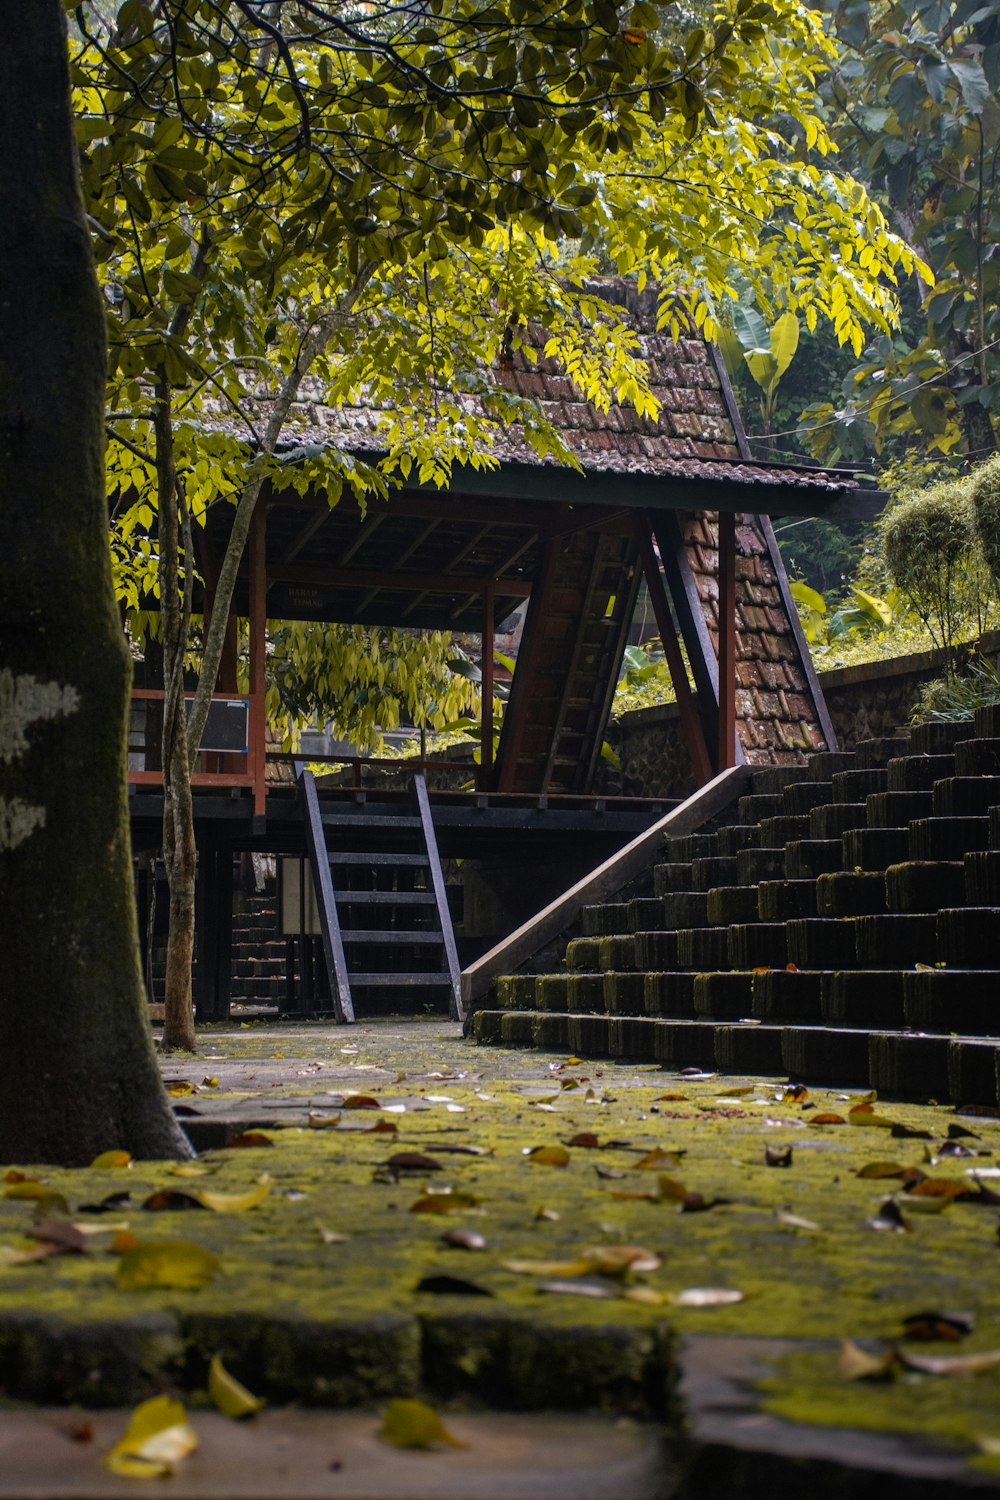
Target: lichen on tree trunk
{"points": [[78, 1072]]}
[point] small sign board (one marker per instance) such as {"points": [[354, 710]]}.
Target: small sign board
{"points": [[298, 912], [226, 726]]}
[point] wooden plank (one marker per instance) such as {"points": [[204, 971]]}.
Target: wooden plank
{"points": [[333, 947], [626, 596], [798, 635], [691, 618], [603, 882], [727, 748], [403, 582], [691, 726], [257, 726], [485, 776], [441, 898], [523, 683]]}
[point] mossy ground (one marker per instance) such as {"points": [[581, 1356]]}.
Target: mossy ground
{"points": [[343, 1321]]}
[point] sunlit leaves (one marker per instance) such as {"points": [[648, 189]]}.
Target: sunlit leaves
{"points": [[166, 1263], [413, 1424], [157, 1438]]}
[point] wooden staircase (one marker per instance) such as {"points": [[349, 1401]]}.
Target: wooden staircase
{"points": [[383, 908], [575, 631]]}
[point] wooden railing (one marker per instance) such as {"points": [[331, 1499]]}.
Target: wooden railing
{"points": [[249, 774]]}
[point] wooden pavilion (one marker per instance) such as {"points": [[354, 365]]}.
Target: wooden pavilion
{"points": [[677, 503]]}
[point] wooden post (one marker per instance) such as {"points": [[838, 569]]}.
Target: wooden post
{"points": [[691, 727], [486, 667], [727, 639], [258, 652]]}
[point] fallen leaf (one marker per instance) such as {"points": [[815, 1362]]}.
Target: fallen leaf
{"points": [[890, 1218], [64, 1237], [463, 1239], [697, 1203], [451, 1286], [647, 1295], [113, 1203], [936, 1187], [549, 1156], [777, 1156], [170, 1200], [178, 1088], [413, 1161], [462, 1150], [330, 1236], [250, 1140], [381, 1127], [443, 1203], [411, 1424], [707, 1296], [578, 1267], [182, 1169], [657, 1159], [551, 1214], [174, 1263], [795, 1093], [827, 1119], [231, 1398], [881, 1169], [855, 1363], [158, 1436], [82, 1432], [864, 1115], [575, 1289], [585, 1139], [123, 1241], [908, 1133], [671, 1098], [608, 1173], [937, 1327], [794, 1221], [951, 1364], [236, 1203], [620, 1260], [361, 1101], [27, 1188], [111, 1158]]}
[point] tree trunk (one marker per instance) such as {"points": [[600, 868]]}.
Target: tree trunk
{"points": [[78, 1072]]}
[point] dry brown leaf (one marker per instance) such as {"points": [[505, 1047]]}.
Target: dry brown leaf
{"points": [[855, 1363]]}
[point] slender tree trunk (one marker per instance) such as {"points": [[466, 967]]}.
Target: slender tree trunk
{"points": [[78, 1072], [179, 850]]}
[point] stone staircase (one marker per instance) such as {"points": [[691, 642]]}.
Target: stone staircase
{"points": [[259, 955], [843, 928]]}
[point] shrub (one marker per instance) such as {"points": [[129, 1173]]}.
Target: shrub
{"points": [[931, 547], [986, 506]]}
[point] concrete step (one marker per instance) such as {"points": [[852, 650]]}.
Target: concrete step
{"points": [[726, 904], [968, 937], [842, 894], [947, 838], [807, 858], [778, 900], [923, 885], [856, 785], [965, 796], [874, 849], [879, 752]]}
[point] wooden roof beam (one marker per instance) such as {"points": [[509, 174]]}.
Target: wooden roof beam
{"points": [[428, 583]]}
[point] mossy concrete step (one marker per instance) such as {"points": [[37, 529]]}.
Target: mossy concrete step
{"points": [[705, 873], [604, 920], [807, 858], [701, 948], [855, 786], [753, 809], [754, 945], [842, 894], [738, 836], [645, 912], [968, 937], [947, 838], [685, 909], [918, 773], [986, 721], [977, 758], [625, 994], [691, 846], [874, 849], [658, 949], [777, 831], [769, 779], [821, 942], [938, 739], [726, 904], [514, 991], [777, 900], [894, 941], [723, 997], [953, 1000], [834, 820], [817, 1054], [584, 953], [919, 885], [965, 796], [803, 796], [879, 752], [960, 1070], [863, 998], [982, 877], [781, 996], [672, 877], [895, 809], [669, 994], [754, 865], [825, 764]]}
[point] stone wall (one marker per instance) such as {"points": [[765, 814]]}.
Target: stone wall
{"points": [[864, 702]]}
